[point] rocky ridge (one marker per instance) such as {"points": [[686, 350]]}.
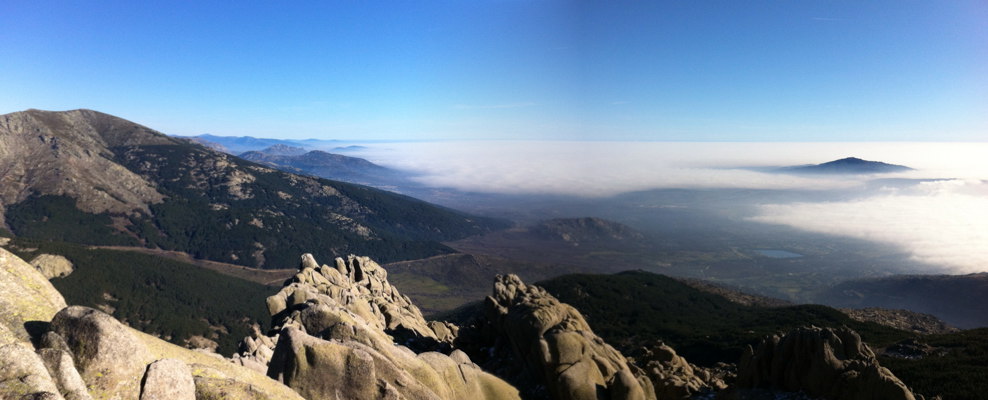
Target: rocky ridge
{"points": [[822, 362], [343, 331], [547, 349]]}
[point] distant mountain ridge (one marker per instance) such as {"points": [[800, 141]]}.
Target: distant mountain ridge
{"points": [[325, 165], [283, 150], [240, 144], [849, 165], [86, 177], [960, 300]]}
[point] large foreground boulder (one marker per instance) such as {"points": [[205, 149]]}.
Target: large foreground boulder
{"points": [[822, 362], [116, 361], [23, 375], [109, 358], [27, 300], [50, 351]]}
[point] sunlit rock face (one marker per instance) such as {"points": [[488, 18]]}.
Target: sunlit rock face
{"points": [[344, 332], [50, 351]]}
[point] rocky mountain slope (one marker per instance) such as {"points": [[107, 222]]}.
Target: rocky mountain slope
{"points": [[86, 177], [343, 331]]}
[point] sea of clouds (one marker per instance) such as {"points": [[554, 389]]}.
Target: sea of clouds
{"points": [[941, 218]]}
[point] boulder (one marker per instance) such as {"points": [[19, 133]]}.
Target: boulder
{"points": [[675, 378], [27, 300], [53, 266], [85, 353], [23, 375], [533, 335], [109, 358], [62, 369], [822, 362], [168, 379]]}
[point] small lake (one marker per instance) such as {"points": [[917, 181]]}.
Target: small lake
{"points": [[773, 253]]}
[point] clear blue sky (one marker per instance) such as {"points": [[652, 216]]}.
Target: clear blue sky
{"points": [[627, 70]]}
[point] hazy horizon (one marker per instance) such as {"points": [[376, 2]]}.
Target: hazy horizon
{"points": [[938, 212]]}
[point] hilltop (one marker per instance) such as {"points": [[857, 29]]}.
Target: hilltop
{"points": [[325, 165], [86, 177], [849, 165]]}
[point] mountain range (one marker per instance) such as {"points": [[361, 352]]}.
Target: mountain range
{"points": [[86, 177]]}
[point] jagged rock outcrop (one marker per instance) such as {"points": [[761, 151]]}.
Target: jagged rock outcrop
{"points": [[822, 362], [358, 285], [53, 265], [530, 334], [27, 299], [345, 332], [675, 378]]}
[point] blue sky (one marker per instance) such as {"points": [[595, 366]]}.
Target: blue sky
{"points": [[795, 70]]}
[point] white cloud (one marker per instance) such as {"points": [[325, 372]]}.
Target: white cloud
{"points": [[596, 168], [942, 223]]}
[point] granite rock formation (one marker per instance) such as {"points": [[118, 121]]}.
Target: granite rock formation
{"points": [[675, 378], [53, 265], [822, 362], [344, 332], [50, 351], [546, 347], [27, 299]]}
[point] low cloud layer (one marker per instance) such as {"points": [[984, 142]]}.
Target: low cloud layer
{"points": [[944, 223], [610, 168]]}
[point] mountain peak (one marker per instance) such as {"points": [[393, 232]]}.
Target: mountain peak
{"points": [[847, 165]]}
